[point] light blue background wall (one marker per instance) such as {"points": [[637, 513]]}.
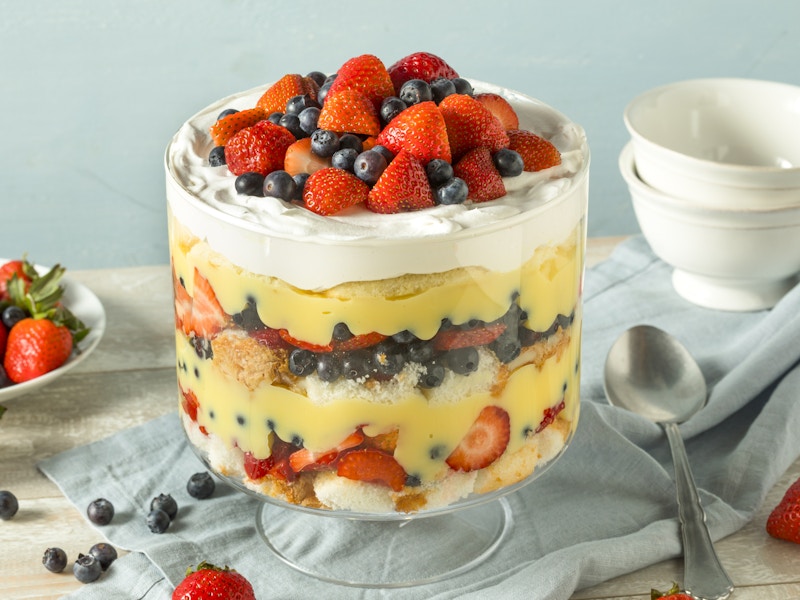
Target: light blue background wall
{"points": [[92, 90]]}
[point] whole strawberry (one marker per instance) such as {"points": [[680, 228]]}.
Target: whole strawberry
{"points": [[674, 593], [36, 347], [783, 522], [210, 582]]}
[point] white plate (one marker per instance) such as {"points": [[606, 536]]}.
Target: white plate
{"points": [[84, 305]]}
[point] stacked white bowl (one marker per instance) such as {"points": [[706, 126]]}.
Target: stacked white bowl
{"points": [[713, 168]]}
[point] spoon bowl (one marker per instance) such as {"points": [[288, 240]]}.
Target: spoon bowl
{"points": [[649, 372]]}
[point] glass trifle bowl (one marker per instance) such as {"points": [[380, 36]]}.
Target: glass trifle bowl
{"points": [[411, 367]]}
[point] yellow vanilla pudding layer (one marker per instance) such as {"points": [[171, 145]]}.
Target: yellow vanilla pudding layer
{"points": [[286, 281]]}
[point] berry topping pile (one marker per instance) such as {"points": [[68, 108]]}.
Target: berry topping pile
{"points": [[394, 139], [37, 332]]}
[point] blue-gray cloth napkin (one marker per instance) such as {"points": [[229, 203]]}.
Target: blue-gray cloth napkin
{"points": [[606, 508]]}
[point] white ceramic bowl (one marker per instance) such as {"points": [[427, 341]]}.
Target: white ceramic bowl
{"points": [[720, 142], [726, 259]]}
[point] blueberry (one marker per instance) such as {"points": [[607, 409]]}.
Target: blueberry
{"points": [[387, 154], [455, 191], [506, 347], [279, 184], [54, 560], [216, 158], [302, 362], [248, 318], [341, 332], [308, 119], [357, 364], [226, 112], [324, 143], [157, 521], [441, 87], [292, 123], [433, 375], [166, 503], [100, 511], [528, 337], [509, 163], [344, 158], [420, 351], [104, 553], [202, 347], [12, 315], [300, 184], [390, 108], [297, 104], [318, 77], [415, 91], [404, 337], [323, 89], [8, 505], [463, 86], [439, 171], [87, 568], [200, 485], [250, 184], [388, 358], [275, 117], [462, 361], [350, 140], [369, 166], [329, 367]]}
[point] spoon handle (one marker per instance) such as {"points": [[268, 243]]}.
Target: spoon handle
{"points": [[703, 574]]}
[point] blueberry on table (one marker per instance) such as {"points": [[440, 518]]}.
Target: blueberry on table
{"points": [[200, 485], [54, 560], [8, 505], [157, 521], [166, 503], [100, 511], [104, 553], [87, 568]]}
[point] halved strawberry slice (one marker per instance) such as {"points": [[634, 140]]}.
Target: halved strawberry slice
{"points": [[189, 403], [331, 190], [275, 465], [372, 466], [366, 74], [260, 148], [349, 111], [421, 130], [364, 340], [470, 125], [300, 159], [403, 186], [288, 86], [451, 339], [208, 317], [483, 180], [225, 128], [183, 304], [537, 153], [289, 339], [484, 442], [420, 65], [500, 108], [271, 338], [306, 460]]}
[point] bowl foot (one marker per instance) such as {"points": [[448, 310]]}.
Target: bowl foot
{"points": [[731, 294], [385, 554]]}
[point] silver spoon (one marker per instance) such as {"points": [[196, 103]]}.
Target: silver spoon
{"points": [[650, 373]]}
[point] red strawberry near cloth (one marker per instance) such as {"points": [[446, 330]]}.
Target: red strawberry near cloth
{"points": [[209, 582], [784, 520]]}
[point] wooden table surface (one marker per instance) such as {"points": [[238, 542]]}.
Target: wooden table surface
{"points": [[125, 382]]}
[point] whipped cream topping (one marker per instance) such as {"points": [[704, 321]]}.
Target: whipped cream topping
{"points": [[203, 198]]}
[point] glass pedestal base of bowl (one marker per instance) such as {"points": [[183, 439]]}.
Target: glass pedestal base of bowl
{"points": [[385, 553]]}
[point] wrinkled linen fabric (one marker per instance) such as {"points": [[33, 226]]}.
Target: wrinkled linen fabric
{"points": [[606, 507]]}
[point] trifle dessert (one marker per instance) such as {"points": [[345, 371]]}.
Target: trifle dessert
{"points": [[377, 281]]}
